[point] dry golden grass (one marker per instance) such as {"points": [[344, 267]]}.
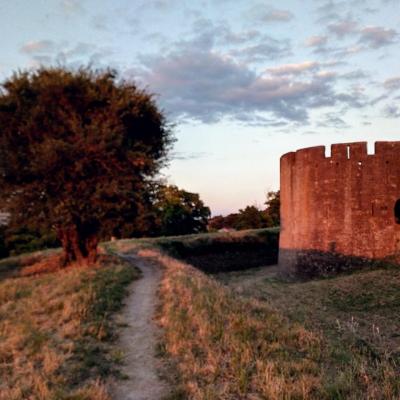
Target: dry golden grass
{"points": [[52, 328], [358, 316], [271, 339], [229, 348]]}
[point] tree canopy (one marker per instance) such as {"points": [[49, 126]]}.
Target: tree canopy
{"points": [[77, 149], [251, 217], [179, 212], [163, 210], [273, 210]]}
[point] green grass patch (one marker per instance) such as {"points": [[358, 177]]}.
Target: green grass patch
{"points": [[357, 316]]}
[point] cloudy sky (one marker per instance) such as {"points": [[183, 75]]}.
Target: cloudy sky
{"points": [[243, 81]]}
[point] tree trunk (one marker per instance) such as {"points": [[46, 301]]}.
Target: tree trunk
{"points": [[91, 243], [78, 247]]}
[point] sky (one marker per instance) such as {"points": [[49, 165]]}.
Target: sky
{"points": [[242, 82]]}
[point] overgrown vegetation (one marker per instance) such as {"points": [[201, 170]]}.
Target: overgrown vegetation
{"points": [[27, 240], [55, 328]]}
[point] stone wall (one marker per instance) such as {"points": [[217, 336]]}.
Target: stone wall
{"points": [[339, 208]]}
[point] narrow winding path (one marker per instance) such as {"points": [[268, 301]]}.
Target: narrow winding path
{"points": [[138, 340]]}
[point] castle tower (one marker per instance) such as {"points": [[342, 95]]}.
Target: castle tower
{"points": [[339, 210]]}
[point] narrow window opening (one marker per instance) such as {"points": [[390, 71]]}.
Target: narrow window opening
{"points": [[397, 212], [348, 152]]}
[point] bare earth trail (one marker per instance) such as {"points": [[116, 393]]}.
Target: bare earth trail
{"points": [[138, 340]]}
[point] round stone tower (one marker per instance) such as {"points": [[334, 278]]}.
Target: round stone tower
{"points": [[340, 210]]}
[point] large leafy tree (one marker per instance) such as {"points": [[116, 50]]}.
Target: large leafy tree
{"points": [[76, 150], [164, 210], [178, 212], [249, 218]]}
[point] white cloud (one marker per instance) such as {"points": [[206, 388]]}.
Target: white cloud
{"points": [[391, 111], [293, 69], [37, 46], [344, 28], [392, 83], [377, 36], [325, 74], [316, 41], [276, 15], [266, 50], [47, 52], [208, 86]]}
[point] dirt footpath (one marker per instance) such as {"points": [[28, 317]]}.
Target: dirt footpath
{"points": [[138, 340]]}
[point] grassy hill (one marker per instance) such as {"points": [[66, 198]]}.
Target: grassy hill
{"points": [[356, 316], [242, 334], [55, 328], [251, 335]]}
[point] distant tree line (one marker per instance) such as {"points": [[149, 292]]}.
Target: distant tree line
{"points": [[251, 217], [163, 210]]}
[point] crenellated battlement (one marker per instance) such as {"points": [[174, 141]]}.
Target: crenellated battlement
{"points": [[343, 203], [355, 151]]}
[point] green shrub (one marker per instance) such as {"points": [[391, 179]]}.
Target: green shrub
{"points": [[26, 240]]}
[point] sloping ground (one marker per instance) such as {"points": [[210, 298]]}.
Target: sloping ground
{"points": [[230, 348], [245, 335], [215, 252], [250, 335], [55, 329], [357, 316]]}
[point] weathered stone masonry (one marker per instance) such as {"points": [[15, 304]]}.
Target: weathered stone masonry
{"points": [[341, 209]]}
